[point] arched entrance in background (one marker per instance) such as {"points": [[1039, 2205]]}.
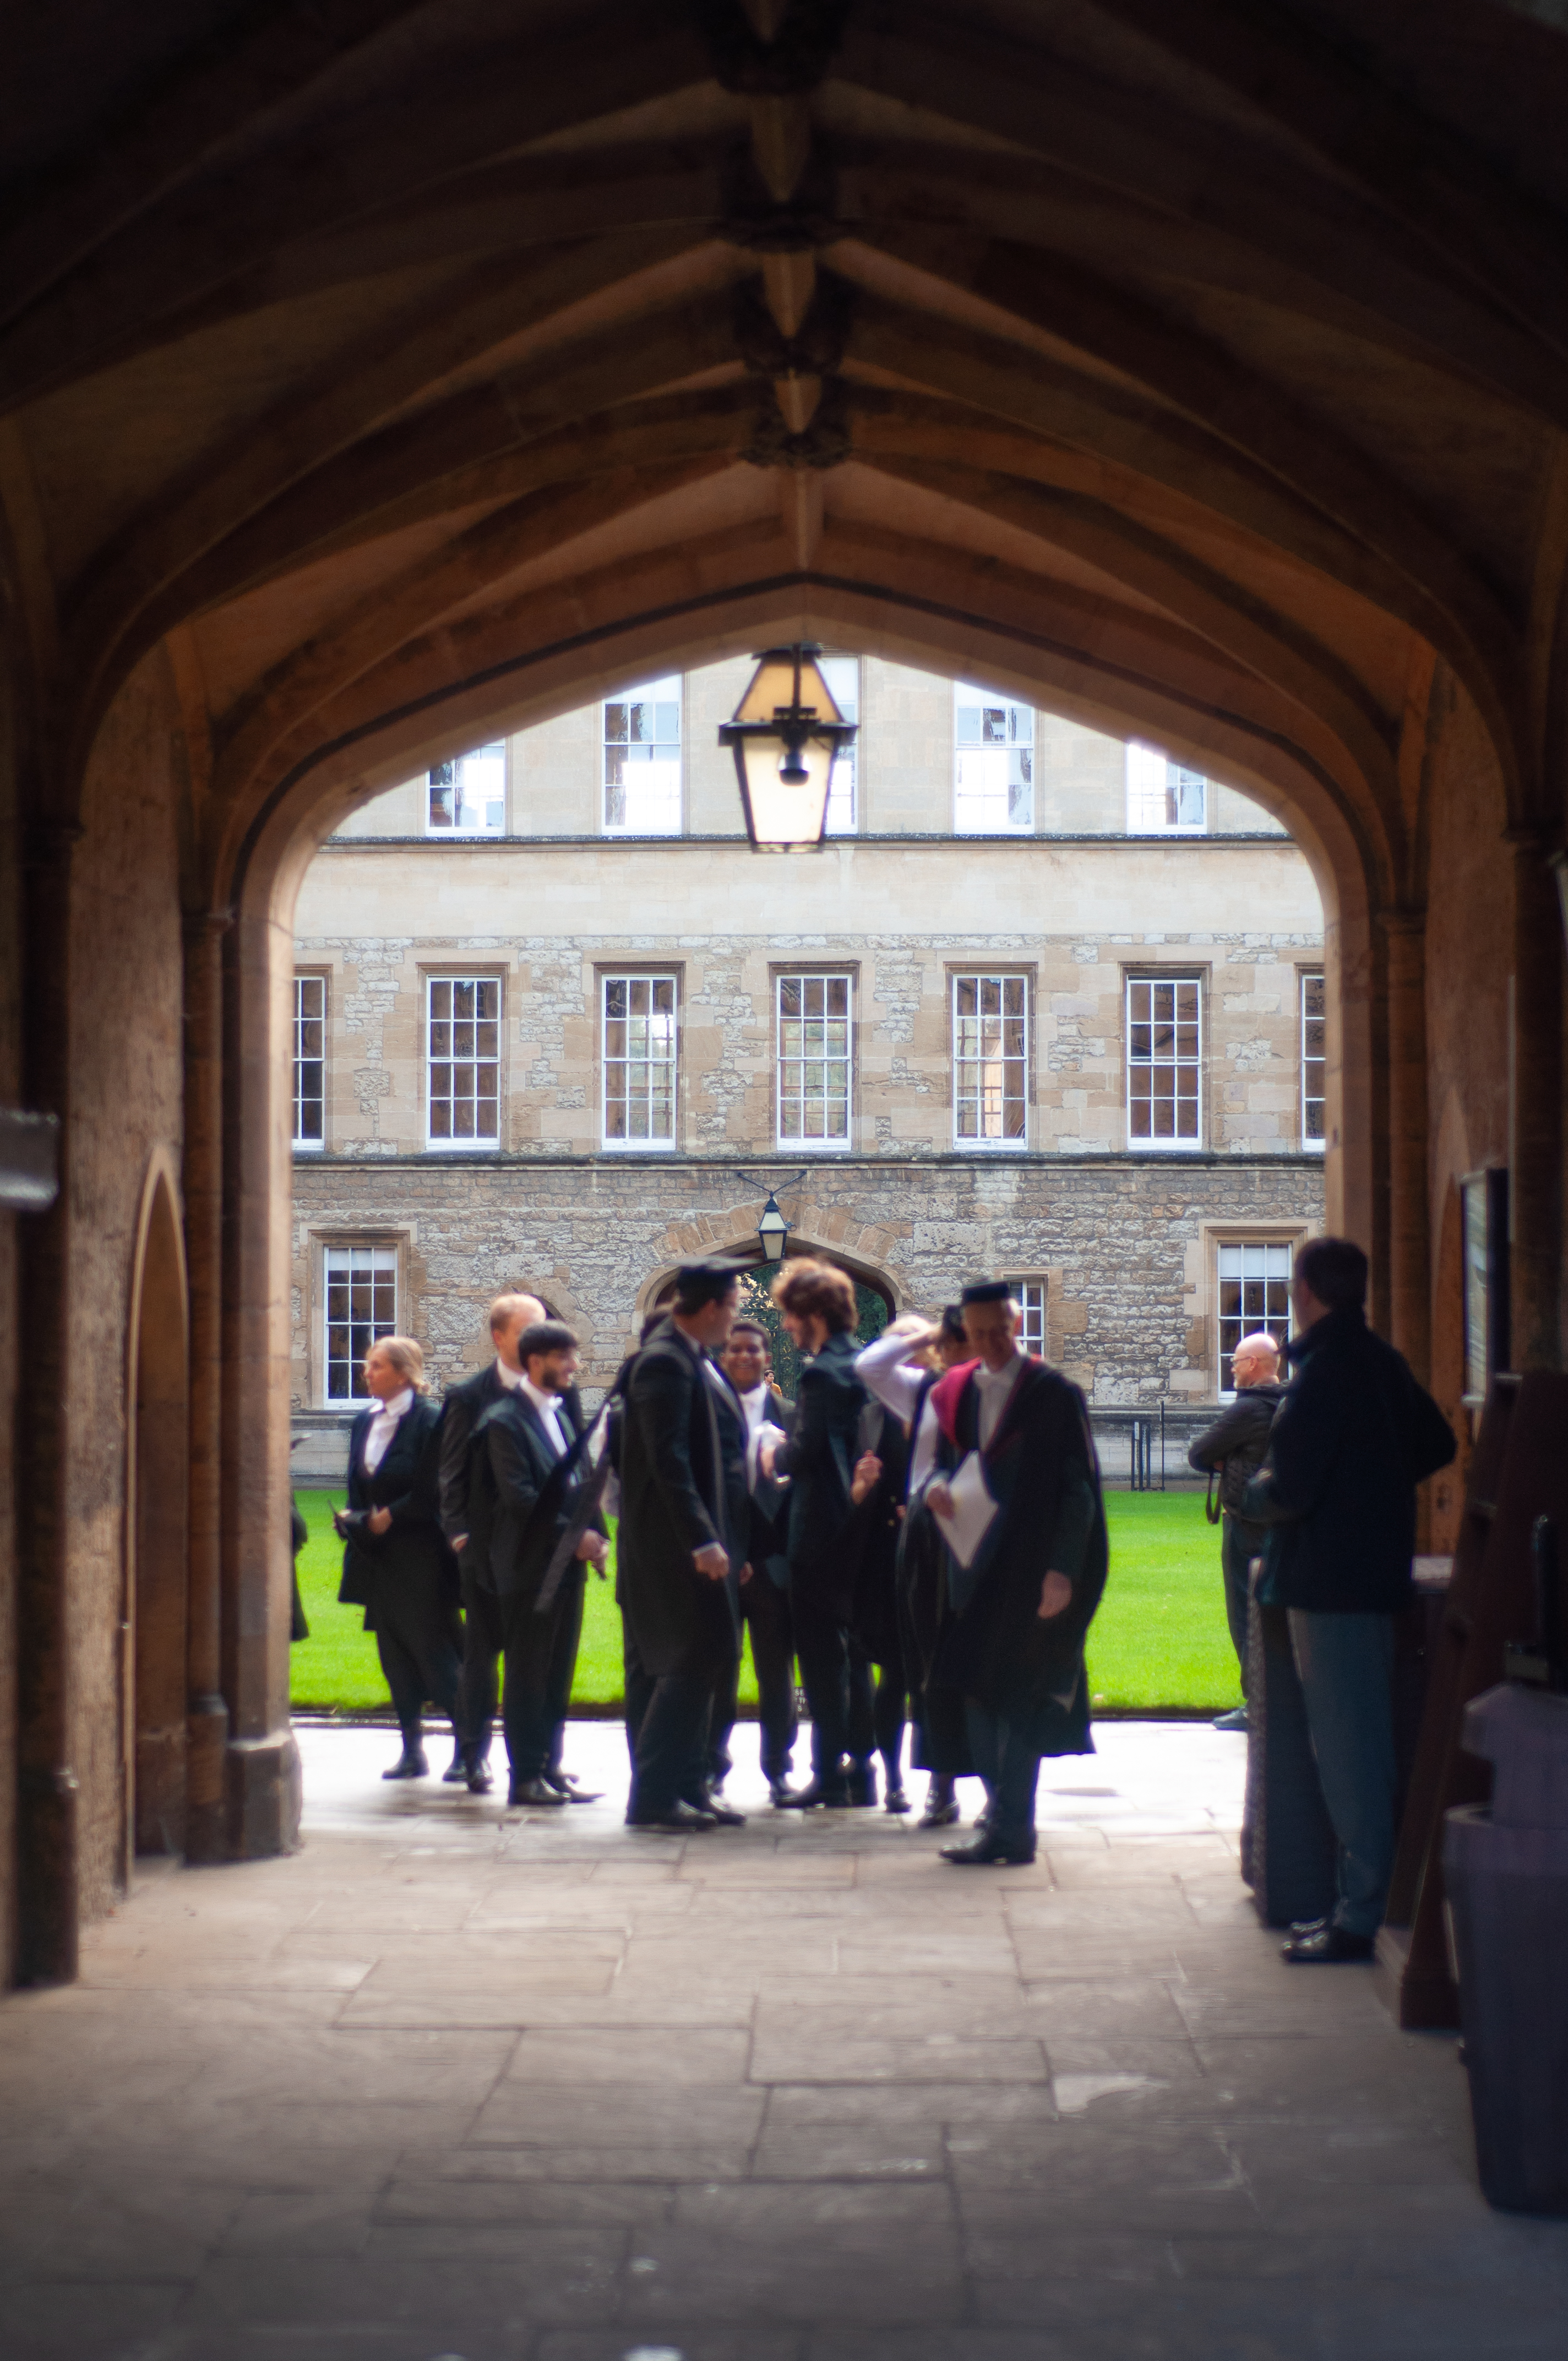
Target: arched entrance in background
{"points": [[155, 1686], [875, 1298]]}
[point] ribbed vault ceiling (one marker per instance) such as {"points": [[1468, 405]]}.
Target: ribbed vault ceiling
{"points": [[1202, 366]]}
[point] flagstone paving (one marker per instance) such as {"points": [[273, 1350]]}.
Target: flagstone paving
{"points": [[455, 2081]]}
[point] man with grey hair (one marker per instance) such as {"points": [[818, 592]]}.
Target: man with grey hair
{"points": [[1235, 1444]]}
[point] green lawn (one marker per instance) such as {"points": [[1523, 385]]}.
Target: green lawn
{"points": [[1159, 1642]]}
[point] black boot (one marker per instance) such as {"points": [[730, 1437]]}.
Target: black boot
{"points": [[456, 1771], [410, 1763], [476, 1770], [941, 1809]]}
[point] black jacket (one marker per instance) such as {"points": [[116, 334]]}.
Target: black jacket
{"points": [[413, 1548], [819, 1460], [533, 1492], [465, 1405], [1352, 1438], [1237, 1442], [682, 1485], [874, 1536]]}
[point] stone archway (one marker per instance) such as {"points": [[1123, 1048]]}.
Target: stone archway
{"points": [[156, 1685]]}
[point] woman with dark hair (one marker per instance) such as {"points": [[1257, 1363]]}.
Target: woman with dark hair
{"points": [[397, 1563], [816, 1304]]}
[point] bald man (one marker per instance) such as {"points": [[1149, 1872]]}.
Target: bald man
{"points": [[465, 1520], [1236, 1444]]}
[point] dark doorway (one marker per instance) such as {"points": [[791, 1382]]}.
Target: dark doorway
{"points": [[156, 1683]]}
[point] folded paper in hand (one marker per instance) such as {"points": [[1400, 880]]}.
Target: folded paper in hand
{"points": [[973, 1510]]}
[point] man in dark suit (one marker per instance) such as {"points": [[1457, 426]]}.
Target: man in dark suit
{"points": [[1354, 1436], [764, 1602], [532, 1441], [683, 1516], [467, 1506]]}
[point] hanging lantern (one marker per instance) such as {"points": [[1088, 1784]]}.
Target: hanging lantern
{"points": [[785, 736]]}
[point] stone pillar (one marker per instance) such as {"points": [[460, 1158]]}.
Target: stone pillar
{"points": [[262, 1765], [1408, 1228], [206, 1727], [46, 1858], [1535, 1110]]}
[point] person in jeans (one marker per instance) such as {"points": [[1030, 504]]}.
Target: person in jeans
{"points": [[1235, 1444], [1351, 1441]]}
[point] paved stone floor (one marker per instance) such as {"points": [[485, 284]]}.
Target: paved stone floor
{"points": [[454, 2083]]}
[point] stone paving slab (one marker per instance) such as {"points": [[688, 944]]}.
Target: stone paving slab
{"points": [[460, 2084]]}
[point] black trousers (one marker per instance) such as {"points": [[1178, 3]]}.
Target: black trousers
{"points": [[764, 1610], [822, 1645], [877, 1716], [667, 1717], [481, 1663], [1239, 1545], [541, 1657], [420, 1646]]}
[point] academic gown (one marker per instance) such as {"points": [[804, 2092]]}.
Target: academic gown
{"points": [[534, 1492], [682, 1485], [406, 1579], [1042, 1471]]}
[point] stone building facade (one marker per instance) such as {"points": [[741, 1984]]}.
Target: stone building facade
{"points": [[1043, 1004]]}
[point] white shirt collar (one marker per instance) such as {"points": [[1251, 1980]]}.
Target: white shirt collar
{"points": [[1001, 1377], [394, 1410], [548, 1403], [513, 1380], [757, 1403]]}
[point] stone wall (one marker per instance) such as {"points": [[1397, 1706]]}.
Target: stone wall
{"points": [[1128, 1250], [1245, 918]]}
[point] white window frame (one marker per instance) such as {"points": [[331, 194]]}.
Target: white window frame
{"points": [[1283, 1254], [1033, 1297], [1313, 1145], [488, 990], [662, 693], [1008, 980], [1015, 748], [831, 983], [634, 979], [478, 781], [1157, 789], [304, 984], [373, 1265], [842, 674], [1136, 1019]]}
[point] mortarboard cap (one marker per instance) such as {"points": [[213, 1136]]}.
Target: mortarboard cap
{"points": [[987, 1291]]}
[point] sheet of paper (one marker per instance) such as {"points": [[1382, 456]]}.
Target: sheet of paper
{"points": [[973, 1510]]}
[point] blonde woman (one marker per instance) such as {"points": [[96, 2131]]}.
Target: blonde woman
{"points": [[396, 1560]]}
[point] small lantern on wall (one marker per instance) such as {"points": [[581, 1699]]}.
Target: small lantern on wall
{"points": [[772, 1230], [785, 736]]}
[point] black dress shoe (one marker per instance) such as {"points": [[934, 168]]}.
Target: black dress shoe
{"points": [[862, 1787], [832, 1795], [940, 1812], [781, 1795], [1323, 1946], [722, 1814], [895, 1800], [566, 1787], [679, 1820], [530, 1791], [987, 1852], [479, 1777], [409, 1764], [456, 1770]]}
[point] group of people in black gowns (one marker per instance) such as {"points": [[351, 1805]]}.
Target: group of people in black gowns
{"points": [[920, 1531]]}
